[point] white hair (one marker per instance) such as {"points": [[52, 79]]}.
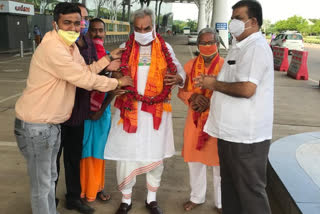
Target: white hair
{"points": [[208, 30], [142, 12]]}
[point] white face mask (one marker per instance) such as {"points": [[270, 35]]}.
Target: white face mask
{"points": [[237, 27], [144, 38]]}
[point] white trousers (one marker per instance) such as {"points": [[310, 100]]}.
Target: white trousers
{"points": [[198, 183], [126, 176]]}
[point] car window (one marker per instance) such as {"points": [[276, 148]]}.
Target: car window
{"points": [[294, 37], [279, 36]]}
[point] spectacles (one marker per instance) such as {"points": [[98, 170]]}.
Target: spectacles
{"points": [[207, 43]]}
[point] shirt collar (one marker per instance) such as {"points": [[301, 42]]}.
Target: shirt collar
{"points": [[248, 40]]}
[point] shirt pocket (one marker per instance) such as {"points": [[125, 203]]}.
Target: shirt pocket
{"points": [[231, 74]]}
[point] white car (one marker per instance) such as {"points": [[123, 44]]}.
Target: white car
{"points": [[290, 40], [192, 38]]}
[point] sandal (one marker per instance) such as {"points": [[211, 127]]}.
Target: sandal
{"points": [[189, 205], [104, 197]]}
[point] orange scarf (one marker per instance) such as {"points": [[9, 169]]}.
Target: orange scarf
{"points": [[198, 68], [154, 86]]}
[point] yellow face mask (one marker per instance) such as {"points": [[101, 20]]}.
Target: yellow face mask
{"points": [[69, 37]]}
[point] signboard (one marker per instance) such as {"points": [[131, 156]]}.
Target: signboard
{"points": [[16, 8], [221, 26]]}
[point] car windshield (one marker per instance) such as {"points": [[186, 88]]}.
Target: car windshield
{"points": [[294, 37]]}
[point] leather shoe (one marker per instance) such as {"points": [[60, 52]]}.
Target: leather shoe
{"points": [[80, 206], [153, 208], [124, 208], [218, 210]]}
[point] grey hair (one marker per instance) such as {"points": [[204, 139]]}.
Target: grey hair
{"points": [[208, 30], [142, 12]]}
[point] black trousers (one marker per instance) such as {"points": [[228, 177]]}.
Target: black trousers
{"points": [[71, 144], [243, 170]]}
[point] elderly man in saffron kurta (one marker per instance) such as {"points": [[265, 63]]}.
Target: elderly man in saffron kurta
{"points": [[141, 134], [199, 149]]}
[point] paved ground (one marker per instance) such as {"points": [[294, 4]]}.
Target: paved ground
{"points": [[296, 111]]}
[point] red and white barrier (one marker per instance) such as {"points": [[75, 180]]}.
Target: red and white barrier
{"points": [[298, 68], [280, 58]]}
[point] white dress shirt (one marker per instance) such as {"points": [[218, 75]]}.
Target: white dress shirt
{"points": [[245, 120]]}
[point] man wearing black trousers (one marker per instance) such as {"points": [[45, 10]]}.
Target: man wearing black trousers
{"points": [[241, 115]]}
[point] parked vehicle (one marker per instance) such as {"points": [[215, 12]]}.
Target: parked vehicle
{"points": [[192, 38], [290, 39], [186, 30]]}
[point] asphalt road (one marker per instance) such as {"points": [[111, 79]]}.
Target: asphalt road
{"points": [[314, 62]]}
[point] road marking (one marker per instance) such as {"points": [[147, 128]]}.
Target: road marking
{"points": [[23, 80], [12, 70], [11, 60], [191, 54], [9, 98], [11, 144], [312, 80]]}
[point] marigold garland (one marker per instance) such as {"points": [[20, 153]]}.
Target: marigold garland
{"points": [[132, 93]]}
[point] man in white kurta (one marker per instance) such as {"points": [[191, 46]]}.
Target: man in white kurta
{"points": [[143, 152]]}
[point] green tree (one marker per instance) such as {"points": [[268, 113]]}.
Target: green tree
{"points": [[297, 23], [192, 24], [293, 23], [272, 29], [280, 25], [316, 27], [178, 26]]}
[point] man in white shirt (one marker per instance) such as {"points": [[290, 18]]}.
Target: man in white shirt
{"points": [[241, 113], [141, 133]]}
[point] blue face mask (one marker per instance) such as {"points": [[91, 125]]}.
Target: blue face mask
{"points": [[84, 27]]}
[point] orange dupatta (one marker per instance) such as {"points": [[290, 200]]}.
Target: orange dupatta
{"points": [[154, 86], [198, 68]]}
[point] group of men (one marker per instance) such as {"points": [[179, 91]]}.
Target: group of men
{"points": [[228, 126]]}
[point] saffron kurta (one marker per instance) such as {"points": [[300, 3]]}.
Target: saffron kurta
{"points": [[209, 153]]}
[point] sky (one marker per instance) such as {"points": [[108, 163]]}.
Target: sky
{"points": [[274, 10]]}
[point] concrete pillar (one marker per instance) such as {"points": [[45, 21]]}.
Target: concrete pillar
{"points": [[129, 6], [202, 15], [221, 16]]}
